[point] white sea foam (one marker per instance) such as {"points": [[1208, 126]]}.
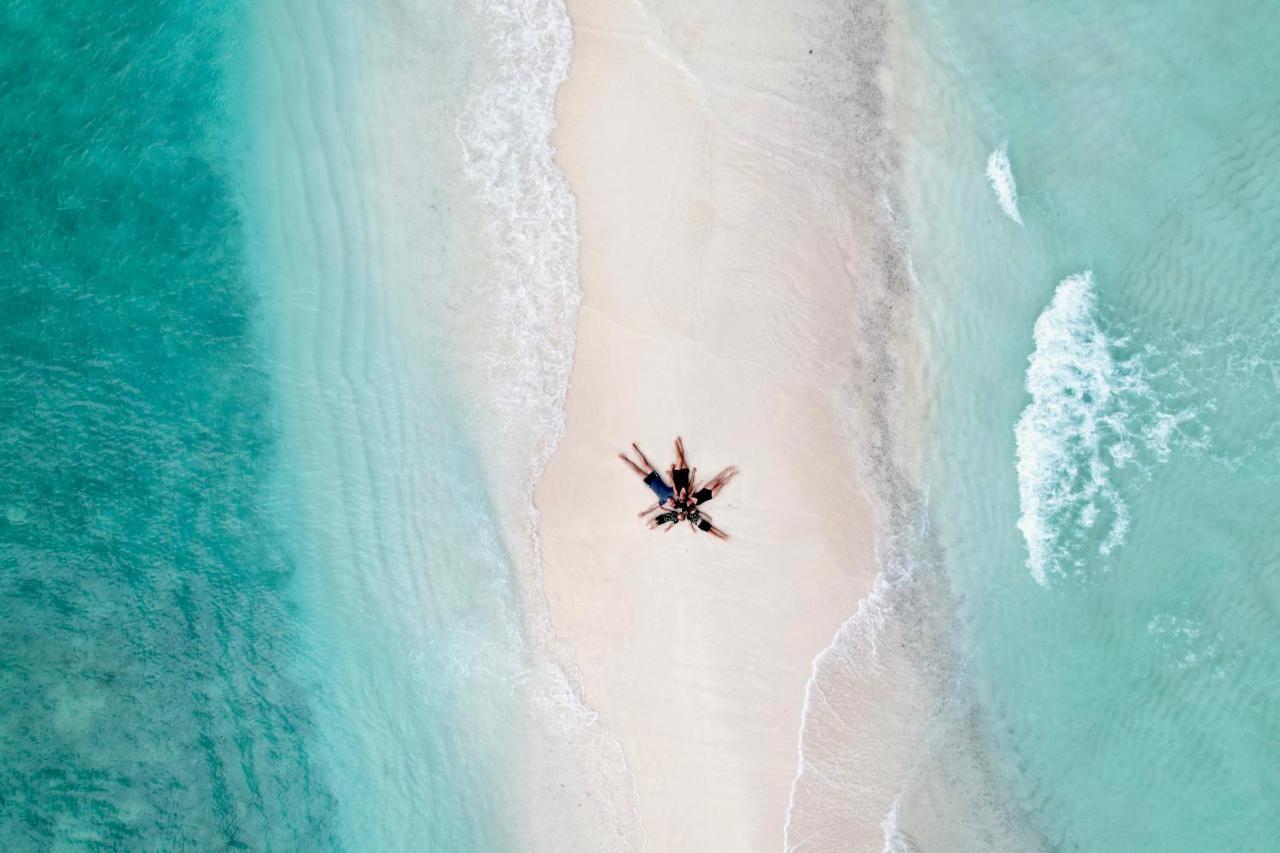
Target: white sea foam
{"points": [[530, 292], [866, 702], [895, 840], [850, 660], [1062, 435], [1093, 412], [530, 216], [1000, 174]]}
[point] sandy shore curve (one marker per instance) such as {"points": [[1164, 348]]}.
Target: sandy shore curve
{"points": [[716, 306]]}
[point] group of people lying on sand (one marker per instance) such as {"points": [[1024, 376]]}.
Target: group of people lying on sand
{"points": [[679, 500]]}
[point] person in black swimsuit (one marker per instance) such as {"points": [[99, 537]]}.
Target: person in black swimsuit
{"points": [[667, 519], [680, 471], [703, 522], [678, 500], [702, 494]]}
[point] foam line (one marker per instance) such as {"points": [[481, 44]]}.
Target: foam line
{"points": [[1000, 174]]}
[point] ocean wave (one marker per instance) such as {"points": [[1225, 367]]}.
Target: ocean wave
{"points": [[1094, 411], [830, 733], [1063, 436], [1000, 175], [530, 218], [868, 699], [895, 840], [528, 295], [885, 717]]}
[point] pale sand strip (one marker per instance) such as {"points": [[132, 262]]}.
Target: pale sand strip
{"points": [[714, 307]]}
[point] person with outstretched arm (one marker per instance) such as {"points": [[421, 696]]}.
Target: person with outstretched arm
{"points": [[651, 477], [703, 493]]}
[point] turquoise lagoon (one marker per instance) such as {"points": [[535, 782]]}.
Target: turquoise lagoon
{"points": [[256, 591], [1105, 447], [264, 517]]}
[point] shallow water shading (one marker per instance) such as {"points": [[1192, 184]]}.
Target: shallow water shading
{"points": [[259, 590], [1107, 434]]}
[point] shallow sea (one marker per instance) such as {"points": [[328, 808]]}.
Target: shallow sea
{"points": [[1090, 191], [288, 292], [258, 585]]}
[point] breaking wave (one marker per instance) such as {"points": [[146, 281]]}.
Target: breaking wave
{"points": [[1000, 174], [1093, 413], [530, 296]]}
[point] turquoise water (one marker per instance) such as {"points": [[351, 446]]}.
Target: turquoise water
{"points": [[148, 633], [1105, 451], [256, 591]]}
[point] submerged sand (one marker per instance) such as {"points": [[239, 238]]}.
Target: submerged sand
{"points": [[719, 305]]}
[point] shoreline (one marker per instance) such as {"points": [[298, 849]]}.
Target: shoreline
{"points": [[718, 303]]}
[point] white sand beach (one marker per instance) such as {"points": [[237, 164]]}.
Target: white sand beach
{"points": [[718, 305]]}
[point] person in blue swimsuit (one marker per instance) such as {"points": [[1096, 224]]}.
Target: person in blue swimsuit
{"points": [[651, 477], [679, 498]]}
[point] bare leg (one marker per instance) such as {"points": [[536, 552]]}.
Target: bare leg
{"points": [[717, 532], [633, 466], [681, 462], [719, 481], [643, 458]]}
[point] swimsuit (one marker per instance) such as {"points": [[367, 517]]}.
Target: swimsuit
{"points": [[696, 519], [702, 496], [681, 478], [659, 486]]}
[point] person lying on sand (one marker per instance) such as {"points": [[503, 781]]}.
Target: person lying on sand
{"points": [[680, 471], [669, 504], [666, 520], [675, 502], [697, 519], [700, 494], [703, 522], [651, 478]]}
